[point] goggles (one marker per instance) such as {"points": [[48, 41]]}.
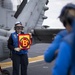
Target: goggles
{"points": [[19, 27]]}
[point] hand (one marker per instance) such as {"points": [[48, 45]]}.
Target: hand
{"points": [[56, 52], [17, 49], [30, 35]]}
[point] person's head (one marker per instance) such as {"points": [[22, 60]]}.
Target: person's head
{"points": [[67, 15], [18, 27]]}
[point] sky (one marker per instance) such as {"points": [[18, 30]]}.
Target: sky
{"points": [[55, 7]]}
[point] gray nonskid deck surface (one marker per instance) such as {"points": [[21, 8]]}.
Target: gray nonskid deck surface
{"points": [[37, 68]]}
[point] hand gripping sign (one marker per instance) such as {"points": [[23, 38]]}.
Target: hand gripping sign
{"points": [[24, 41]]}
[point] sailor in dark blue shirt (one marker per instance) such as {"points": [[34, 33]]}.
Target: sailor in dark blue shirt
{"points": [[65, 62]]}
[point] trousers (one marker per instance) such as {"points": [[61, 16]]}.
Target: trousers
{"points": [[17, 61]]}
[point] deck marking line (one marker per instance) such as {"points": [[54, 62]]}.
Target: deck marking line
{"points": [[31, 60]]}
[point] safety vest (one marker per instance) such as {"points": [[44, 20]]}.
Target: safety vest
{"points": [[15, 44]]}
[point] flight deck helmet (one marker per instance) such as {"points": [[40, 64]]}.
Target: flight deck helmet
{"points": [[65, 16], [18, 25]]}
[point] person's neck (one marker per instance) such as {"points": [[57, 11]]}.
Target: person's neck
{"points": [[18, 33]]}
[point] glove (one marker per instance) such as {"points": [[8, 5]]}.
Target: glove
{"points": [[30, 35], [17, 49]]}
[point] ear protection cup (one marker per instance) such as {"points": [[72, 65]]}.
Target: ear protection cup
{"points": [[14, 28]]}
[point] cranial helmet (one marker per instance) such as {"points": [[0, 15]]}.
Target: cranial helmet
{"points": [[18, 22], [69, 5], [65, 16]]}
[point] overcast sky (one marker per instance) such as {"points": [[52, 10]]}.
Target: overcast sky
{"points": [[55, 7]]}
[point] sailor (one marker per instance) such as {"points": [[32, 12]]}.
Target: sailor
{"points": [[65, 62], [52, 51], [19, 56]]}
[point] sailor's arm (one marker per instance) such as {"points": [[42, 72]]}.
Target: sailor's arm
{"points": [[10, 43], [52, 51]]}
